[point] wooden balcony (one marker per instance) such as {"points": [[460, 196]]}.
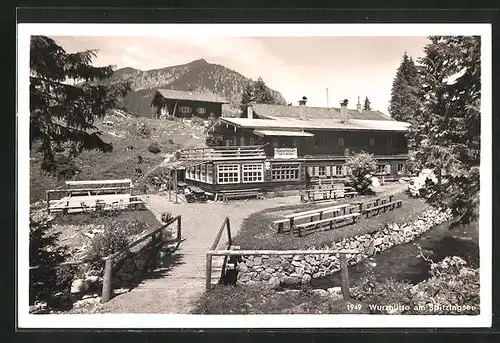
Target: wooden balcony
{"points": [[223, 153]]}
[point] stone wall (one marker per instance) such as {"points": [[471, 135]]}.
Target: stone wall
{"points": [[300, 269]]}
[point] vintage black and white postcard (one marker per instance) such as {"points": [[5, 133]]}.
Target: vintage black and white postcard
{"points": [[257, 176]]}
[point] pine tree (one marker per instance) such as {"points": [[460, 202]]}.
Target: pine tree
{"points": [[66, 96], [246, 97], [367, 105], [446, 128], [404, 100], [261, 93]]}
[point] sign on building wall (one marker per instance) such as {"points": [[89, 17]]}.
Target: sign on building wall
{"points": [[285, 152]]}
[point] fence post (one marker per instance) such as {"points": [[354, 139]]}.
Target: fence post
{"points": [[208, 271], [345, 276], [48, 201], [153, 255], [106, 284], [179, 229], [228, 225]]}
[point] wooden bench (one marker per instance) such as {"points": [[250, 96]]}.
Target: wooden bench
{"points": [[331, 221], [383, 207], [292, 218], [243, 193], [328, 194]]}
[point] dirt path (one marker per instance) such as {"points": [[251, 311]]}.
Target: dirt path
{"points": [[175, 288]]}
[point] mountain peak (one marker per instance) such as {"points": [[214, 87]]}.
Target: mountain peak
{"points": [[200, 61]]}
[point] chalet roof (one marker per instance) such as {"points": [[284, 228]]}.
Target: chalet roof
{"points": [[279, 111], [183, 95], [283, 133], [318, 124]]}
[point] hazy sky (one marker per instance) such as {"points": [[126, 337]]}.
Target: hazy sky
{"points": [[295, 66]]}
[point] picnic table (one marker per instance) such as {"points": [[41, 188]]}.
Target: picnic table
{"points": [[291, 218]]}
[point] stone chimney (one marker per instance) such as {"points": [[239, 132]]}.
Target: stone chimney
{"points": [[358, 106], [249, 112], [343, 110], [303, 101]]}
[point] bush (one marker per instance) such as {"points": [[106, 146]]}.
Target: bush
{"points": [[62, 167], [143, 130], [359, 167], [45, 252], [114, 238], [214, 139], [197, 121], [452, 288], [154, 148]]}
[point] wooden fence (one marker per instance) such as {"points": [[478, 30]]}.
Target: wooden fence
{"points": [[229, 252], [155, 244], [226, 226]]}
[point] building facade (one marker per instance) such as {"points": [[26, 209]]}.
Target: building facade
{"points": [[183, 104], [268, 151]]}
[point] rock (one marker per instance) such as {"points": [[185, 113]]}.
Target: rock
{"points": [[242, 267], [257, 260], [292, 291], [264, 276], [79, 286], [285, 264], [316, 275], [306, 278], [291, 280], [88, 296], [269, 270], [320, 292], [249, 263], [244, 277], [273, 283], [336, 296], [335, 290], [296, 263], [273, 262], [298, 258]]}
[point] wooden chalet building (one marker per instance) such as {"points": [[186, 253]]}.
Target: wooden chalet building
{"points": [[184, 104], [283, 146]]}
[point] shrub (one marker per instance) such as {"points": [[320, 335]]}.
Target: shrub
{"points": [[62, 167], [154, 148], [359, 167], [45, 252], [114, 238], [197, 121], [452, 288], [214, 139], [143, 130]]}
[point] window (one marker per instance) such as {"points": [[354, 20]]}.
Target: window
{"points": [[198, 170], [341, 141], [339, 170], [401, 167], [201, 110], [372, 141], [185, 109], [318, 141], [229, 173], [253, 172], [203, 173], [388, 142], [251, 141], [322, 171], [381, 169], [210, 178], [285, 172], [242, 141]]}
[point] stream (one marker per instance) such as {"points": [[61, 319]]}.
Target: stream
{"points": [[401, 262]]}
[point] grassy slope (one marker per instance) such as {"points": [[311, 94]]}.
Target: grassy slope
{"points": [[257, 233], [121, 162]]}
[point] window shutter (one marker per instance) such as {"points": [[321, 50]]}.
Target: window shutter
{"points": [[328, 171], [344, 170], [387, 168], [316, 171], [310, 170]]}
